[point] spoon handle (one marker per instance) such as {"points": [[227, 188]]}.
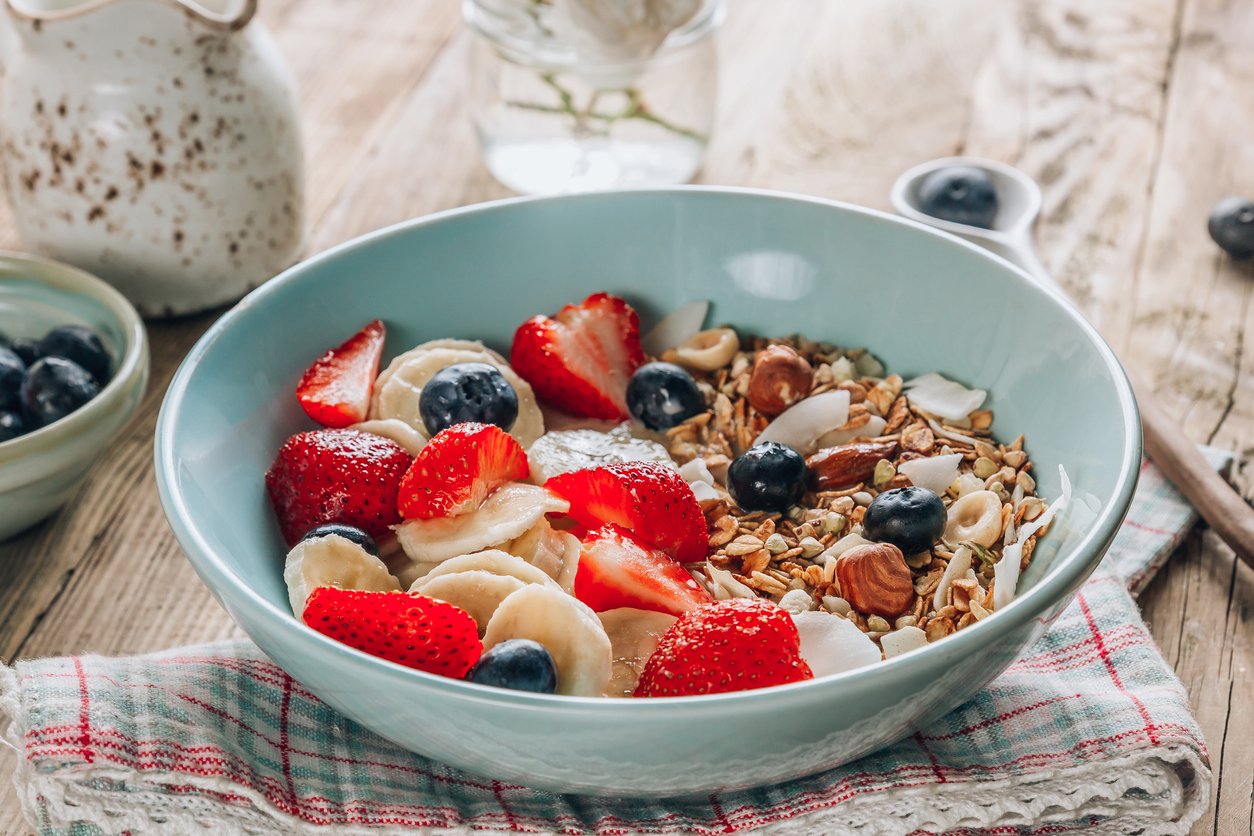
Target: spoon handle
{"points": [[1219, 504], [1225, 510]]}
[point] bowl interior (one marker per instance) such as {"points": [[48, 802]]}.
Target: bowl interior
{"points": [[770, 264]]}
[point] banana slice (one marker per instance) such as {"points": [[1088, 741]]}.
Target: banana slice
{"points": [[477, 592], [398, 390], [397, 431], [458, 345], [506, 514], [568, 629], [562, 451], [570, 562], [494, 561], [633, 636], [332, 561], [543, 547]]}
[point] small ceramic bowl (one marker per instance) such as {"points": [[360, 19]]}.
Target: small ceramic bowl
{"points": [[39, 471], [770, 264]]}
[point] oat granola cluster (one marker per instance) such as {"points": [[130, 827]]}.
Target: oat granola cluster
{"points": [[791, 557]]}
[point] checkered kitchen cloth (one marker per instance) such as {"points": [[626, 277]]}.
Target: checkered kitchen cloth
{"points": [[1090, 729]]}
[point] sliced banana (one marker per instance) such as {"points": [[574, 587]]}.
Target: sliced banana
{"points": [[477, 592], [489, 560], [505, 514], [570, 561], [397, 431], [633, 636], [398, 391], [332, 561], [459, 345], [545, 548], [562, 451], [567, 628]]}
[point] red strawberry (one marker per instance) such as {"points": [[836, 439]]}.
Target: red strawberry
{"points": [[734, 645], [402, 627], [335, 390], [343, 476], [581, 360], [648, 499], [457, 470], [616, 570]]}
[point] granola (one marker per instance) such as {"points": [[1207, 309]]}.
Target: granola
{"points": [[790, 557]]}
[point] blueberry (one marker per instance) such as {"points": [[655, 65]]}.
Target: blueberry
{"points": [[27, 349], [74, 342], [12, 369], [912, 519], [468, 392], [519, 664], [662, 395], [53, 388], [11, 425], [348, 532], [962, 194], [768, 477], [1232, 226]]}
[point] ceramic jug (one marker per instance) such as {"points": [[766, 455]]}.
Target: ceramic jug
{"points": [[153, 142]]}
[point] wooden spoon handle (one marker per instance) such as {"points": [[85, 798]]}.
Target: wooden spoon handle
{"points": [[1225, 510]]}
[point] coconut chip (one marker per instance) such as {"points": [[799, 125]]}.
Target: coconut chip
{"points": [[1006, 571], [943, 397]]}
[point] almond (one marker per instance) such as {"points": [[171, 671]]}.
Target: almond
{"points": [[779, 379], [848, 464], [875, 580]]}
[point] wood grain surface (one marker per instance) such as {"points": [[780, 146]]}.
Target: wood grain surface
{"points": [[1135, 115]]}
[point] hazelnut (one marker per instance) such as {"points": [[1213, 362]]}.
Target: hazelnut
{"points": [[874, 578], [779, 379]]}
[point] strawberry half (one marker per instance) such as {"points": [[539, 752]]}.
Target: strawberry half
{"points": [[341, 476], [402, 627], [648, 499], [335, 390], [581, 360], [735, 645], [457, 469], [617, 570]]}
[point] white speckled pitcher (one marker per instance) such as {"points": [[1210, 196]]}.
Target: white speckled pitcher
{"points": [[153, 142]]}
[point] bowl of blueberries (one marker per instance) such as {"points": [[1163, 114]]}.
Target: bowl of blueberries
{"points": [[73, 368]]}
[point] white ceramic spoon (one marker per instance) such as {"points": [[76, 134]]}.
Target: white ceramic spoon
{"points": [[1019, 199]]}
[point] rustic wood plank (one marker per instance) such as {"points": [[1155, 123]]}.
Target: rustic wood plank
{"points": [[1192, 304], [1199, 613]]}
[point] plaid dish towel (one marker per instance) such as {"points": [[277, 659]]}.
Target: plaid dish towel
{"points": [[1090, 729]]}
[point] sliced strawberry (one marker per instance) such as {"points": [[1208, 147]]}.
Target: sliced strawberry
{"points": [[405, 628], [648, 499], [336, 476], [457, 469], [617, 570], [335, 390], [581, 360], [734, 645]]}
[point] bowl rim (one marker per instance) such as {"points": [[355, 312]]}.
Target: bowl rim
{"points": [[131, 363], [1072, 568]]}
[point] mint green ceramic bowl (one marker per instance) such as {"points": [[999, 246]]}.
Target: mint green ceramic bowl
{"points": [[771, 263], [40, 471]]}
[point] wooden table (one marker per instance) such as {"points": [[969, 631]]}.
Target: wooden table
{"points": [[1135, 115]]}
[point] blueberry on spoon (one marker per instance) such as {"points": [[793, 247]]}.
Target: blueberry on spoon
{"points": [[961, 194], [1232, 226]]}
